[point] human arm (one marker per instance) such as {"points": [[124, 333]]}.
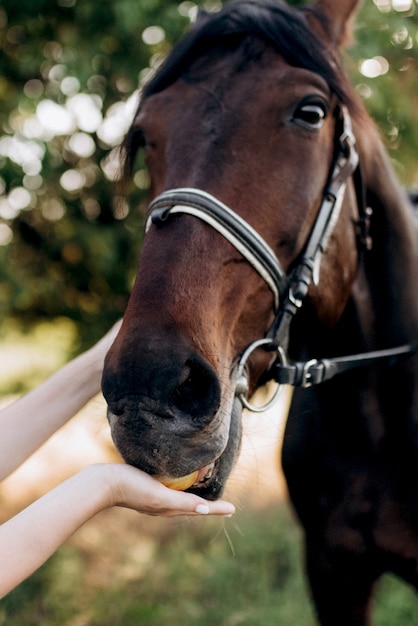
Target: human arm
{"points": [[28, 423], [31, 537]]}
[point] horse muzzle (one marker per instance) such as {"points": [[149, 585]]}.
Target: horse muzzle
{"points": [[171, 417]]}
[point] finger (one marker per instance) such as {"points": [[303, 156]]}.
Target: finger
{"points": [[220, 507], [181, 503]]}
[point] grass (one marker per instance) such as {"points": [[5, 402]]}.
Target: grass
{"points": [[125, 571], [195, 574]]}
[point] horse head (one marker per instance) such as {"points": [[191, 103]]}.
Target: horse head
{"points": [[247, 113]]}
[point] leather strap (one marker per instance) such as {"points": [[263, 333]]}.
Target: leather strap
{"points": [[313, 372]]}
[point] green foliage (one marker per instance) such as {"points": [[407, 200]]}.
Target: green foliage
{"points": [[68, 70], [69, 238], [389, 38]]}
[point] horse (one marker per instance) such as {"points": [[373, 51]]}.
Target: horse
{"points": [[280, 247]]}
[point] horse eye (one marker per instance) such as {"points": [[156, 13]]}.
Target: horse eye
{"points": [[310, 115]]}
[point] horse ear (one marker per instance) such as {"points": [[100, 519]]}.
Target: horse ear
{"points": [[335, 19]]}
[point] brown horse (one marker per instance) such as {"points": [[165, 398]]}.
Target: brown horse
{"points": [[269, 183]]}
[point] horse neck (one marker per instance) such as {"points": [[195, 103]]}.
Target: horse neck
{"points": [[377, 406], [383, 309], [390, 270]]}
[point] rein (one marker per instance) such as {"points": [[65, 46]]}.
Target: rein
{"points": [[289, 290]]}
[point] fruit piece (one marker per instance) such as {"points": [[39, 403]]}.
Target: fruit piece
{"points": [[179, 484]]}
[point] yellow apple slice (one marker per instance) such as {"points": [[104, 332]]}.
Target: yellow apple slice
{"points": [[179, 484]]}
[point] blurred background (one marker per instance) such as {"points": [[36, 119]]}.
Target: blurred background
{"points": [[70, 77]]}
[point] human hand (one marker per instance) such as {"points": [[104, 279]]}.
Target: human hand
{"points": [[32, 536], [131, 488]]}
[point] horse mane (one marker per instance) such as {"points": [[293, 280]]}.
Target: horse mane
{"points": [[279, 25]]}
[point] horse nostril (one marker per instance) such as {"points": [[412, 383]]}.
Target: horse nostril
{"points": [[198, 394]]}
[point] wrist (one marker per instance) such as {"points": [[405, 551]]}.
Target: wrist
{"points": [[102, 485]]}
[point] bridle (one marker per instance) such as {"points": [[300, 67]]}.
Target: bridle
{"points": [[289, 290]]}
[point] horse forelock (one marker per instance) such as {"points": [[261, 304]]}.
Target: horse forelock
{"points": [[280, 26], [272, 23]]}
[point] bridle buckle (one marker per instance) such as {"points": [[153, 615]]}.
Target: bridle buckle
{"points": [[306, 374]]}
